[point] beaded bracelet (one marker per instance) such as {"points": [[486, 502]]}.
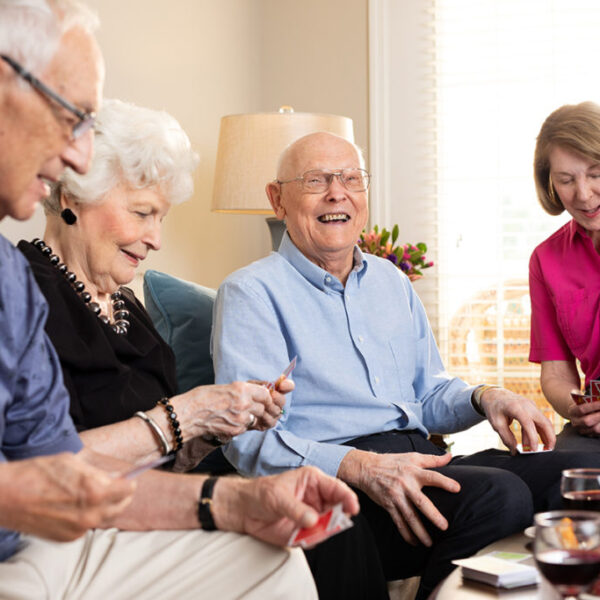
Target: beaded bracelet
{"points": [[174, 422]]}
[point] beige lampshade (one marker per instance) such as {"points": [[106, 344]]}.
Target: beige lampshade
{"points": [[249, 147]]}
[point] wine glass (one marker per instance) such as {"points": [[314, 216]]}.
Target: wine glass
{"points": [[567, 549], [580, 489]]}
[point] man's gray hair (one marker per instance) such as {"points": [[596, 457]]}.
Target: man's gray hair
{"points": [[31, 29], [139, 147]]}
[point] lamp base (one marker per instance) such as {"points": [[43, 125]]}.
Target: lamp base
{"points": [[277, 229]]}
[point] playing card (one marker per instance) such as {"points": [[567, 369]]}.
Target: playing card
{"points": [[595, 388], [581, 398], [526, 449], [152, 464], [273, 385], [330, 522]]}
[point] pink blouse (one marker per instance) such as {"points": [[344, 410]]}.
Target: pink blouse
{"points": [[564, 283]]}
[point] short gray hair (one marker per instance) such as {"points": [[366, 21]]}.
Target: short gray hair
{"points": [[137, 146], [30, 30]]}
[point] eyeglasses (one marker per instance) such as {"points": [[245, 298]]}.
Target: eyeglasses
{"points": [[318, 181], [87, 120]]}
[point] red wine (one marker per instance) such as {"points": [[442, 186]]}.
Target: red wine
{"points": [[571, 571], [582, 500]]}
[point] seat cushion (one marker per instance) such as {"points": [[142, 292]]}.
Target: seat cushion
{"points": [[182, 313]]}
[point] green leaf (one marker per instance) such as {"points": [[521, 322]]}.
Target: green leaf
{"points": [[395, 232], [421, 246], [384, 237]]}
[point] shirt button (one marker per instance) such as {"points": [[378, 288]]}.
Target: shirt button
{"points": [[376, 379], [327, 279], [361, 339]]}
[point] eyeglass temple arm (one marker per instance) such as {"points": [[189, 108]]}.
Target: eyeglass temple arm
{"points": [[36, 83]]}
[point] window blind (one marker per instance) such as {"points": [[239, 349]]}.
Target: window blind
{"points": [[484, 75]]}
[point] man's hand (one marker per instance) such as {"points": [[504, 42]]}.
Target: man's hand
{"points": [[586, 418], [395, 482], [502, 406], [270, 508], [59, 497]]}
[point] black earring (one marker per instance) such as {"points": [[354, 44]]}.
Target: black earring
{"points": [[68, 216]]}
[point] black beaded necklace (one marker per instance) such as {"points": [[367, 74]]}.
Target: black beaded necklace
{"points": [[120, 324]]}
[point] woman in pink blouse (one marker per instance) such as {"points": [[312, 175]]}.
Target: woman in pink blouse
{"points": [[564, 270]]}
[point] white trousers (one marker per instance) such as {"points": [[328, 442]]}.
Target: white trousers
{"points": [[109, 564]]}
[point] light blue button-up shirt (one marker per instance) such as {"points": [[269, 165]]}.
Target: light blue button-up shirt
{"points": [[367, 359]]}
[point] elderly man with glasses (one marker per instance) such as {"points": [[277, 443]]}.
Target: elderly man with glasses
{"points": [[57, 496], [370, 383], [51, 75]]}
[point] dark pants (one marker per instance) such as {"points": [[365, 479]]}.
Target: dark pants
{"points": [[569, 439], [499, 495]]}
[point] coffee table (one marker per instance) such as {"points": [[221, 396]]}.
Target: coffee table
{"points": [[454, 587]]}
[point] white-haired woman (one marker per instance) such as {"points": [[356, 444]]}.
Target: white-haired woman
{"points": [[118, 370]]}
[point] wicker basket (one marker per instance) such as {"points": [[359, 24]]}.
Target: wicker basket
{"points": [[489, 342]]}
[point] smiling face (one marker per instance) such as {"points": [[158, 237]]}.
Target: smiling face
{"points": [[109, 240], [325, 226], [35, 134], [576, 180]]}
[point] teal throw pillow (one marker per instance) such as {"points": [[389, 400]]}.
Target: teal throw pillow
{"points": [[182, 313]]}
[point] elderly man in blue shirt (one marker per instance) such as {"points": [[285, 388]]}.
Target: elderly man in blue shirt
{"points": [[370, 383]]}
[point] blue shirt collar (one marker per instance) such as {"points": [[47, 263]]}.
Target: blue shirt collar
{"points": [[317, 276]]}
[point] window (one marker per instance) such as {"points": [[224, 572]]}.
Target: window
{"points": [[459, 101]]}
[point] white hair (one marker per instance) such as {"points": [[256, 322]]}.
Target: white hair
{"points": [[139, 147], [30, 30]]}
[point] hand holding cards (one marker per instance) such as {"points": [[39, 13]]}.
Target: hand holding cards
{"points": [[274, 385], [593, 395], [333, 521]]}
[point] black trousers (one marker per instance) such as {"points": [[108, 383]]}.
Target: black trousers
{"points": [[569, 439], [499, 495]]}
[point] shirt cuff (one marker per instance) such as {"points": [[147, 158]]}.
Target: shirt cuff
{"points": [[327, 457], [469, 410]]}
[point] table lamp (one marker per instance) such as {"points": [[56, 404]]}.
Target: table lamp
{"points": [[249, 146]]}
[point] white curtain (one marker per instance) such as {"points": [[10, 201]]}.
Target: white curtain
{"points": [[459, 90]]}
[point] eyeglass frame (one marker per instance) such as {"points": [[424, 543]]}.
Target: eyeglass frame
{"points": [[333, 174], [85, 118]]}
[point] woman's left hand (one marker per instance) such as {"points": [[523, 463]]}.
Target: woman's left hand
{"points": [[585, 418], [224, 411]]}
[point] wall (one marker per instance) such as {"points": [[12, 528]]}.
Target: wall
{"points": [[314, 57], [202, 59]]}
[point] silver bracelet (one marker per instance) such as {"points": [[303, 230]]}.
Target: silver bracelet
{"points": [[166, 447]]}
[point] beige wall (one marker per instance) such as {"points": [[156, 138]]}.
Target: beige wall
{"points": [[202, 59]]}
